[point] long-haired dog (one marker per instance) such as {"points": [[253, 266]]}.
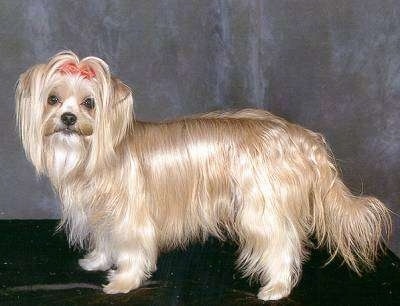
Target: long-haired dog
{"points": [[131, 189]]}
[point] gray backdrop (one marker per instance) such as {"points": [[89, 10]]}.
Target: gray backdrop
{"points": [[332, 66]]}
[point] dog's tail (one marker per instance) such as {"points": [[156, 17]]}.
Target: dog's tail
{"points": [[354, 227]]}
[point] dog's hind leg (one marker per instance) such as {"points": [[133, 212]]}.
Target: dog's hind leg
{"points": [[270, 232], [270, 250]]}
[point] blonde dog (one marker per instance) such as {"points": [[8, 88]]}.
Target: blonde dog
{"points": [[131, 189]]}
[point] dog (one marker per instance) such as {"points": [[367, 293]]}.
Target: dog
{"points": [[131, 189]]}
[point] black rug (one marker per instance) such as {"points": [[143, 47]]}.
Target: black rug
{"points": [[38, 268]]}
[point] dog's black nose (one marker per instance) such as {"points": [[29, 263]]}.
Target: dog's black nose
{"points": [[68, 119]]}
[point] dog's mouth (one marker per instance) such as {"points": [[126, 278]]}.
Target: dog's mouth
{"points": [[78, 130], [67, 132]]}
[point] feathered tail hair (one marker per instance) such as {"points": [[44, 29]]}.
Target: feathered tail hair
{"points": [[355, 227]]}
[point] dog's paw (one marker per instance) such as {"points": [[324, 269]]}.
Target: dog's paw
{"points": [[94, 262], [121, 282], [273, 292]]}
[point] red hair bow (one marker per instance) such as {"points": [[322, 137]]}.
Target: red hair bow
{"points": [[71, 68]]}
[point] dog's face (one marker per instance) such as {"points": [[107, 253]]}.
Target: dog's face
{"points": [[70, 108], [71, 112]]}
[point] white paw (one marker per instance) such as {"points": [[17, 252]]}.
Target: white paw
{"points": [[273, 292], [94, 261], [121, 282]]}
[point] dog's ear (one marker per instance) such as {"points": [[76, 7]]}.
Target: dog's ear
{"points": [[29, 111], [114, 119], [122, 109]]}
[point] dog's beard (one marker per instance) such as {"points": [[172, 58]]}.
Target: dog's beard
{"points": [[64, 153]]}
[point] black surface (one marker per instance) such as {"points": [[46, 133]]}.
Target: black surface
{"points": [[38, 268]]}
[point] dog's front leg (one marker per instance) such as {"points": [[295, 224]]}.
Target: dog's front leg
{"points": [[100, 256], [135, 260], [96, 260]]}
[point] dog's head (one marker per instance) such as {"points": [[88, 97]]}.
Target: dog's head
{"points": [[71, 112]]}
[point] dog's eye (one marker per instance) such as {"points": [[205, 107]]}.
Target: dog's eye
{"points": [[53, 99], [88, 103]]}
